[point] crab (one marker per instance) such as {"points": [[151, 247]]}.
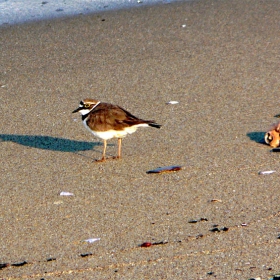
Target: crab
{"points": [[272, 137]]}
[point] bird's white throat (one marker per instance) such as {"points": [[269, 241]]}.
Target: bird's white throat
{"points": [[84, 111]]}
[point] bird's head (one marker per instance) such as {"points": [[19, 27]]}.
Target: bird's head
{"points": [[86, 106]]}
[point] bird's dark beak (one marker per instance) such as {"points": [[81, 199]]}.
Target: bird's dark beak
{"points": [[77, 110]]}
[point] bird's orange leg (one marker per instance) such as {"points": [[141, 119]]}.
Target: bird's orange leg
{"points": [[119, 147], [104, 152]]}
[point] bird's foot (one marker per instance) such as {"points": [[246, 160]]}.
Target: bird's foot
{"points": [[103, 159], [116, 157], [100, 160]]}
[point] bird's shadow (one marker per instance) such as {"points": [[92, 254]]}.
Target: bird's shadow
{"points": [[257, 136], [67, 145], [49, 142]]}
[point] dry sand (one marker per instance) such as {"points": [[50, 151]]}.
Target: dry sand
{"points": [[220, 60]]}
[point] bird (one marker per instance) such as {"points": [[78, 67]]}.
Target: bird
{"points": [[107, 121]]}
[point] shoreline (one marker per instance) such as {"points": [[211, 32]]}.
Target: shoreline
{"points": [[15, 12]]}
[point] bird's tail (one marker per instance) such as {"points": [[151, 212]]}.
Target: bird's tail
{"points": [[153, 124]]}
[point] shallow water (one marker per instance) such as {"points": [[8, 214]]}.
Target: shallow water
{"points": [[20, 11]]}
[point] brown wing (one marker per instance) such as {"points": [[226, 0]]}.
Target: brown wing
{"points": [[131, 120], [107, 116]]}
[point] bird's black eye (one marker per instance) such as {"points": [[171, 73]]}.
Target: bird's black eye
{"points": [[87, 105]]}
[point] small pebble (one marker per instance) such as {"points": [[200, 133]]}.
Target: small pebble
{"points": [[215, 229], [146, 244], [19, 264], [58, 202], [3, 265], [224, 229], [160, 243], [200, 220], [86, 255], [215, 200]]}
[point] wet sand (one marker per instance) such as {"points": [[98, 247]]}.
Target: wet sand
{"points": [[220, 61]]}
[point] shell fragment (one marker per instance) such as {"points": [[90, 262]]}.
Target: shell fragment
{"points": [[171, 168], [266, 172], [66, 193], [172, 102], [91, 240]]}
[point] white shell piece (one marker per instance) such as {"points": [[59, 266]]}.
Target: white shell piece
{"points": [[172, 102], [66, 193], [91, 240], [266, 172]]}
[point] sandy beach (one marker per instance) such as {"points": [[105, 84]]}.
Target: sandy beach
{"points": [[217, 218]]}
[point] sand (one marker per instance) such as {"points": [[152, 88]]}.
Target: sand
{"points": [[220, 61]]}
